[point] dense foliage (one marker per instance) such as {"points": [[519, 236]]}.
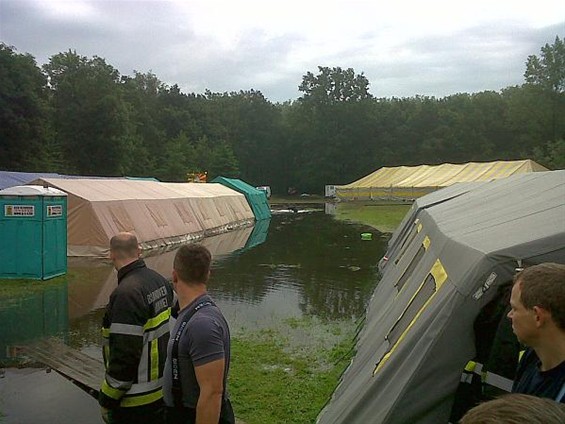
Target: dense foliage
{"points": [[77, 115]]}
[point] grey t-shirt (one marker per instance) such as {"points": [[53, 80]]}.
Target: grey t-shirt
{"points": [[206, 338]]}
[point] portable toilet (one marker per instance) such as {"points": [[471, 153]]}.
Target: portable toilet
{"points": [[33, 232]]}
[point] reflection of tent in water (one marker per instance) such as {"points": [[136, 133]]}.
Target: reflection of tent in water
{"points": [[33, 314], [409, 182], [446, 261], [86, 294], [259, 234], [160, 214]]}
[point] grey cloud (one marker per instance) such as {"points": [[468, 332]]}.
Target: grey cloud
{"points": [[478, 59], [153, 36]]}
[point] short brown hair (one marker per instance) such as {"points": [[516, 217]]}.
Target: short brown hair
{"points": [[192, 263], [543, 285], [516, 409], [124, 245]]}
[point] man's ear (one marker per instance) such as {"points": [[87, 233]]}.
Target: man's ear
{"points": [[542, 316], [175, 277]]}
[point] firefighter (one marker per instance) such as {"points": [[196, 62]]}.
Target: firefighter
{"points": [[136, 332]]}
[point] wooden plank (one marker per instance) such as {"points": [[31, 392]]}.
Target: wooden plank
{"points": [[83, 370], [80, 368]]}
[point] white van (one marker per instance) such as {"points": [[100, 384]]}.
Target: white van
{"points": [[266, 189]]}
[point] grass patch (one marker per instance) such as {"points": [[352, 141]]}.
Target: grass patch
{"points": [[383, 217], [271, 385], [20, 287]]}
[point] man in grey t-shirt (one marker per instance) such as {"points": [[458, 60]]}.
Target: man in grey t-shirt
{"points": [[198, 355]]}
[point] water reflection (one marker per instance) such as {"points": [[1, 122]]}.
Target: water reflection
{"points": [[33, 314], [310, 264]]}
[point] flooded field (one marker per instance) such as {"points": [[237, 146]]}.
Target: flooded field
{"points": [[298, 268]]}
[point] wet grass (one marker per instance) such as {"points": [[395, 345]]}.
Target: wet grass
{"points": [[274, 379], [12, 288], [383, 217]]}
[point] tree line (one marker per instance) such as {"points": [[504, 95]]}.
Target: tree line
{"points": [[79, 115]]}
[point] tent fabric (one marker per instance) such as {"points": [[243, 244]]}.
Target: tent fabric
{"points": [[160, 214], [416, 181], [257, 199], [443, 264]]}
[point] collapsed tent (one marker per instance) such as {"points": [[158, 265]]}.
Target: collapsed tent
{"points": [[410, 182], [443, 265], [257, 199], [160, 214]]}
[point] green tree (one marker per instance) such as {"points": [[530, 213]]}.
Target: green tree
{"points": [[548, 72], [334, 85], [551, 155], [90, 117], [177, 159], [147, 138], [331, 129], [24, 126]]}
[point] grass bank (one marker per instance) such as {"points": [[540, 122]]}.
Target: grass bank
{"points": [[274, 380], [383, 217], [10, 288]]}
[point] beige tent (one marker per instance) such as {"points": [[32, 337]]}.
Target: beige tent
{"points": [[160, 214], [410, 182]]}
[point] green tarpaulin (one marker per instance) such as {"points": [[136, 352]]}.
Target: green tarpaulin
{"points": [[256, 198]]}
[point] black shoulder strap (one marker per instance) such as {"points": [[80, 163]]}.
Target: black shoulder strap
{"points": [[177, 386]]}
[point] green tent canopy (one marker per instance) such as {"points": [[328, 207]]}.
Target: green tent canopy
{"points": [[257, 199]]}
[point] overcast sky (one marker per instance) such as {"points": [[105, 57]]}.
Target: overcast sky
{"points": [[403, 47]]}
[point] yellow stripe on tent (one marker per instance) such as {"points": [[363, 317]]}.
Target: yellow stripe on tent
{"points": [[440, 276]]}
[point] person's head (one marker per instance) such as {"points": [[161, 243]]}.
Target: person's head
{"points": [[537, 299], [192, 264], [516, 409], [124, 249]]}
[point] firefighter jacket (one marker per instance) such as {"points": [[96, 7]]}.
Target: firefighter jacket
{"points": [[135, 329]]}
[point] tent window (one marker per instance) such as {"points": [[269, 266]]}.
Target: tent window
{"points": [[407, 241], [184, 213], [121, 218], [410, 269], [156, 216], [418, 301], [220, 206]]}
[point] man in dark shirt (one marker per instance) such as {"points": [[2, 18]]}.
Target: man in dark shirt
{"points": [[198, 355], [538, 320]]}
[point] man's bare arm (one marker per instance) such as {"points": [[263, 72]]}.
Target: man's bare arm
{"points": [[210, 378]]}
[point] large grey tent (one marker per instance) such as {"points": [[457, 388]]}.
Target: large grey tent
{"points": [[443, 265]]}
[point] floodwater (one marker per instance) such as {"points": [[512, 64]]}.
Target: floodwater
{"points": [[295, 266]]}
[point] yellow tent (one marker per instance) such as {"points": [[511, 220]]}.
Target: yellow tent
{"points": [[410, 182]]}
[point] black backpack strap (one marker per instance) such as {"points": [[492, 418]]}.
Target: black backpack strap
{"points": [[177, 386]]}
